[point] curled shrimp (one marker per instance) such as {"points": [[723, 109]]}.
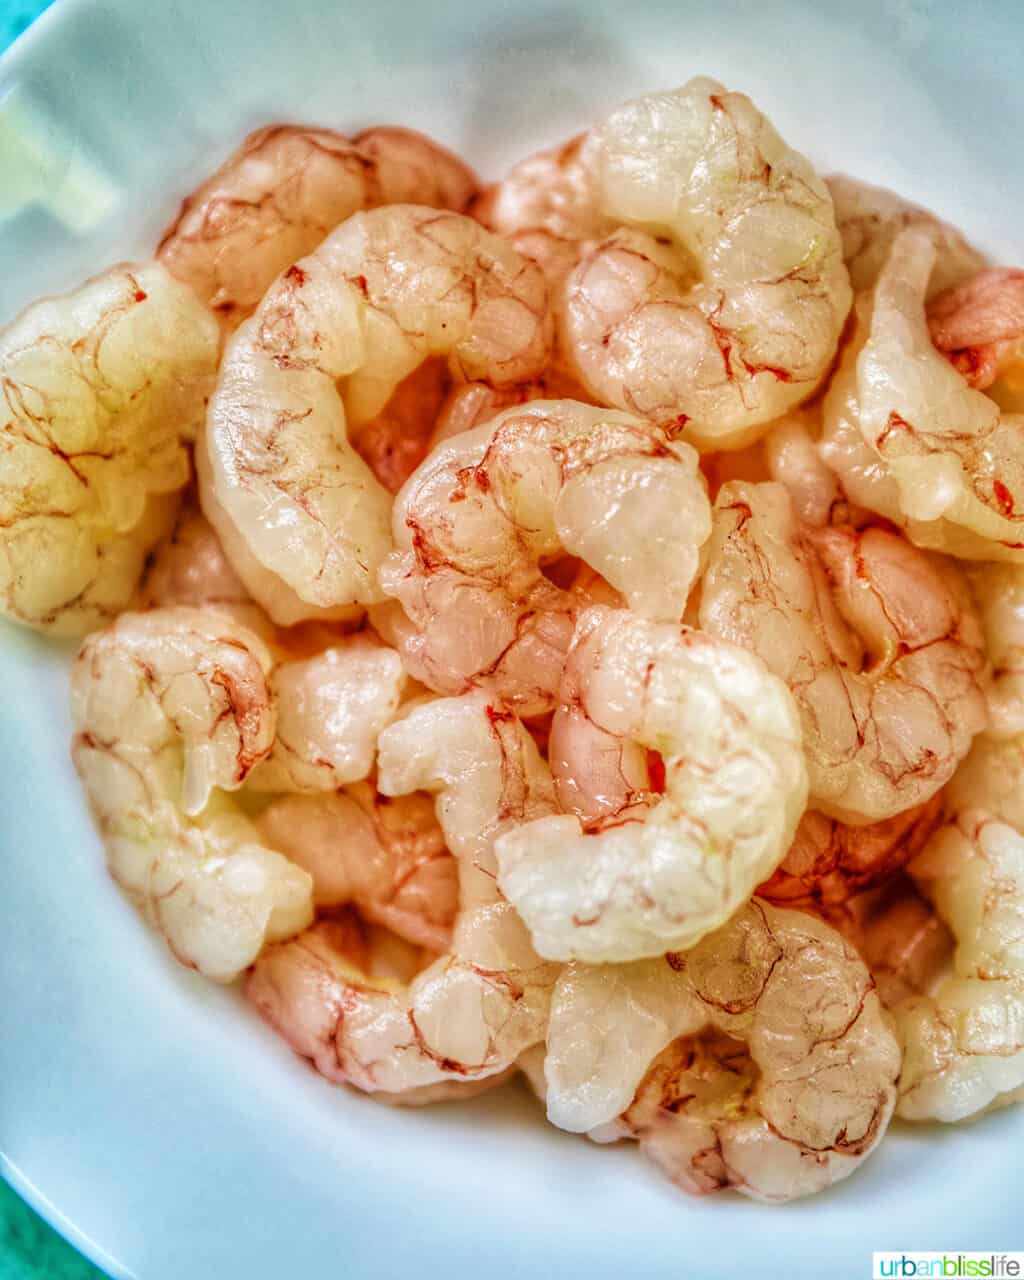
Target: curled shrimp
{"points": [[99, 391], [331, 708], [395, 442], [869, 220], [384, 854], [829, 862], [788, 1090], [168, 706], [381, 294], [734, 787], [964, 1043], [719, 303], [909, 438], [472, 1012], [878, 642], [999, 592], [979, 325], [283, 190], [475, 524]]}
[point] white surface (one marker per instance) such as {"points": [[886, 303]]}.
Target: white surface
{"points": [[149, 1114]]}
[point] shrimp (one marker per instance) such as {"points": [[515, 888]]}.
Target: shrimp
{"points": [[900, 938], [383, 292], [474, 1010], [554, 192], [792, 459], [788, 1090], [386, 855], [909, 438], [829, 862], [869, 220], [395, 442], [166, 707], [992, 778], [879, 644], [190, 568], [475, 524], [733, 315], [979, 325], [99, 390], [964, 1043], [728, 734], [283, 190], [999, 592], [331, 708]]}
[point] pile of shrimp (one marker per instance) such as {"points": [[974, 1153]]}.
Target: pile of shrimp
{"points": [[571, 627]]}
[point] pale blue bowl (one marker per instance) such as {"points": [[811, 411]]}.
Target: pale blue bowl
{"points": [[150, 1116]]}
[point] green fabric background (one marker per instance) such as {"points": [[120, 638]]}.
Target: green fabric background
{"points": [[29, 1249]]}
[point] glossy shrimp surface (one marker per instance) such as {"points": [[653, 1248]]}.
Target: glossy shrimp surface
{"points": [[734, 788], [879, 644], [910, 438], [283, 190], [476, 523], [172, 708], [386, 855], [718, 304], [790, 1092], [474, 1010], [979, 325], [99, 391], [381, 294]]}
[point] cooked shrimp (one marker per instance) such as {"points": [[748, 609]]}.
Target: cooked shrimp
{"points": [[878, 643], [384, 854], [483, 767], [472, 404], [999, 592], [331, 708], [475, 1009], [790, 1093], [829, 862], [468, 1016], [99, 390], [283, 190], [979, 326], [734, 315], [166, 707], [900, 938], [381, 294], [964, 1044], [869, 220], [992, 778], [475, 524], [553, 191], [189, 567], [910, 439], [735, 785]]}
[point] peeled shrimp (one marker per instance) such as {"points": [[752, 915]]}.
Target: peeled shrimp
{"points": [[869, 220], [900, 938], [168, 706], [472, 1012], [331, 708], [829, 862], [735, 786], [386, 290], [878, 643], [733, 315], [283, 190], [992, 778], [189, 567], [979, 325], [909, 438], [99, 390], [964, 1044], [483, 767], [384, 854], [395, 442], [790, 1092], [475, 524], [792, 459], [999, 592]]}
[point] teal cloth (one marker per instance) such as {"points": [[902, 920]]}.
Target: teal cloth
{"points": [[29, 1249]]}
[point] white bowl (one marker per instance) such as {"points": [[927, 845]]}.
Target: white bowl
{"points": [[151, 1116]]}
